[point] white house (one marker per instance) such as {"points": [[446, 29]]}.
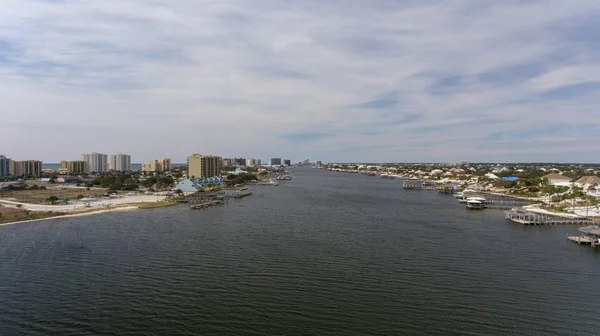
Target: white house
{"points": [[558, 180]]}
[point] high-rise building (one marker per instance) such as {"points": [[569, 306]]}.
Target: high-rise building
{"points": [[258, 162], [275, 162], [26, 168], [250, 162], [201, 166], [151, 166], [165, 164], [227, 162], [240, 161], [120, 162], [287, 163], [5, 164], [74, 167], [158, 165], [97, 162]]}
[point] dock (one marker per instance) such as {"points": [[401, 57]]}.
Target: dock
{"points": [[533, 216], [581, 240], [496, 201], [206, 205], [412, 184]]}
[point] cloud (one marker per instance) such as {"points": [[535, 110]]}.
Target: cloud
{"points": [[346, 81]]}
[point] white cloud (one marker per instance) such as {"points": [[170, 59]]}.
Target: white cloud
{"points": [[159, 78]]}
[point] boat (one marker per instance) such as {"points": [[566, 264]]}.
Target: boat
{"points": [[475, 204]]}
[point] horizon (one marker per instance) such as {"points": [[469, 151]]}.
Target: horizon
{"points": [[374, 81]]}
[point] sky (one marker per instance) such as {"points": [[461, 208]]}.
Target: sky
{"points": [[338, 81]]}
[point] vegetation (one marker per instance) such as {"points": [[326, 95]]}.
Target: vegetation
{"points": [[154, 205], [240, 179], [133, 181]]}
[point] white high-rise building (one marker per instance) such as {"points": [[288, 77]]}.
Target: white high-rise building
{"points": [[250, 162], [97, 162], [120, 162]]}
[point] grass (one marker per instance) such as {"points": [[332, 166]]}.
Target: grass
{"points": [[39, 196], [154, 205], [10, 215]]}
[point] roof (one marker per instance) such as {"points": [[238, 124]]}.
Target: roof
{"points": [[509, 178], [555, 176], [589, 180]]}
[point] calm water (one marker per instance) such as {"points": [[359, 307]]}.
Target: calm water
{"points": [[324, 254]]}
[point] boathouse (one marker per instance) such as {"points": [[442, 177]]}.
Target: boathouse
{"points": [[412, 183]]}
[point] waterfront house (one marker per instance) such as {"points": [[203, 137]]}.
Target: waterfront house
{"points": [[588, 181], [558, 180], [196, 184]]}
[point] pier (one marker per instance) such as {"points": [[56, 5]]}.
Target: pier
{"points": [[206, 204], [581, 240], [590, 235], [541, 217], [497, 201]]}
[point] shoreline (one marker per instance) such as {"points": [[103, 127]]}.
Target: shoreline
{"points": [[94, 212]]}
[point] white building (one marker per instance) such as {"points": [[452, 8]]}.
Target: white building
{"points": [[97, 162], [250, 162], [558, 180], [120, 162]]}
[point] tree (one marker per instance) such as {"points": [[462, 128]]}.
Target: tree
{"points": [[52, 199], [179, 192]]}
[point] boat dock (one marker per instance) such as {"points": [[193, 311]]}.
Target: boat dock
{"points": [[206, 204], [535, 216], [496, 201], [412, 184], [581, 240], [590, 235]]}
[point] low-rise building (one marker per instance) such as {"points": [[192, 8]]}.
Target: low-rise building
{"points": [[558, 179], [193, 185], [588, 182]]}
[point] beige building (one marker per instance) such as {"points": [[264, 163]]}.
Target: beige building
{"points": [[26, 168], [74, 167], [158, 165], [201, 166]]}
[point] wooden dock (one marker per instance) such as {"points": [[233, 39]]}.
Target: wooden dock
{"points": [[206, 205], [525, 217], [412, 184]]}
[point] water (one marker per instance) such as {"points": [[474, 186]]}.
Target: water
{"points": [[324, 254]]}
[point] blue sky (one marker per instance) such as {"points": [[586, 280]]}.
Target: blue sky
{"points": [[346, 80]]}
